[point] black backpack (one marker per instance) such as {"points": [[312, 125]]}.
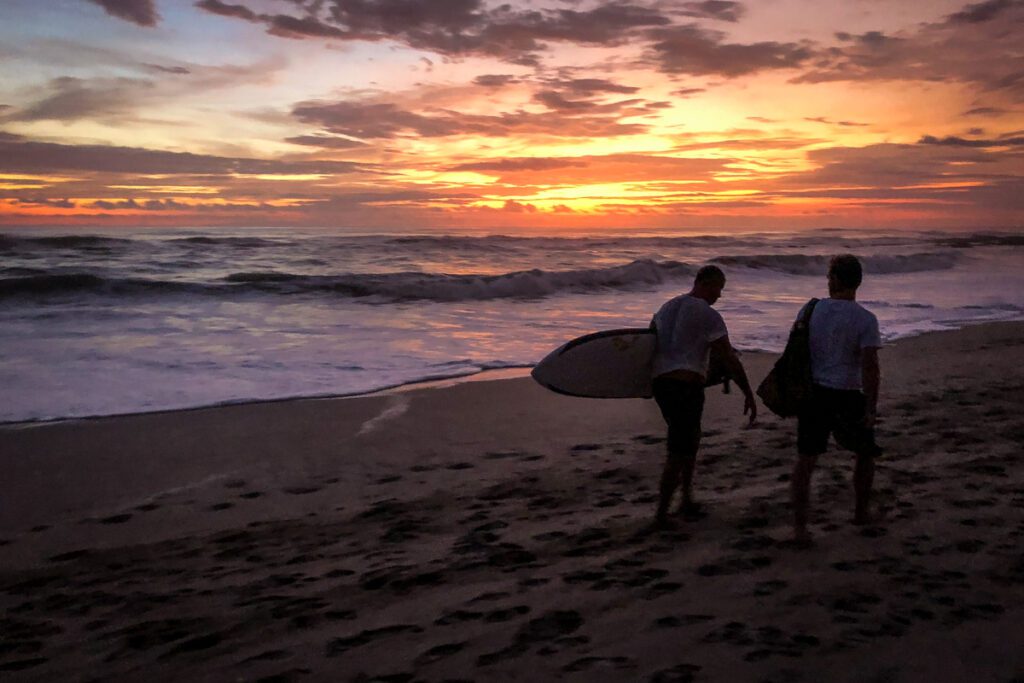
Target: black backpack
{"points": [[788, 384]]}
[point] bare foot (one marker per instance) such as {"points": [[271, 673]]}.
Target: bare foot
{"points": [[691, 511], [866, 518], [802, 538], [662, 523]]}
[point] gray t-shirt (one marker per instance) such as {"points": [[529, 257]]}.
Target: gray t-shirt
{"points": [[686, 327], [840, 329]]}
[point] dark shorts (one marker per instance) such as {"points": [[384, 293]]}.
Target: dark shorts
{"points": [[838, 413], [682, 404]]}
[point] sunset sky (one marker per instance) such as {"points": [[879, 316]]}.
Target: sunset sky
{"points": [[537, 114]]}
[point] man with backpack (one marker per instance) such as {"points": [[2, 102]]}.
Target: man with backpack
{"points": [[844, 340]]}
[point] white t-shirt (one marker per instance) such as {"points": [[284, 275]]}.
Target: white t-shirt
{"points": [[686, 327], [840, 330]]}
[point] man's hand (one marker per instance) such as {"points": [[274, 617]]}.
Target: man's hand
{"points": [[750, 406], [736, 371]]}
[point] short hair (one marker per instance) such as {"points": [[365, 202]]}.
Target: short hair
{"points": [[847, 271], [709, 274]]}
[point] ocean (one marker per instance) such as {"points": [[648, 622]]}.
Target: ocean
{"points": [[100, 322]]}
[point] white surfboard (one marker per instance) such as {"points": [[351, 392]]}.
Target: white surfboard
{"points": [[609, 364]]}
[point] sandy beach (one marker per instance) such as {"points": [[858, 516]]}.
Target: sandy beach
{"points": [[495, 531]]}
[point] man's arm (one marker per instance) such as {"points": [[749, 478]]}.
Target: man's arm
{"points": [[871, 379], [733, 364]]}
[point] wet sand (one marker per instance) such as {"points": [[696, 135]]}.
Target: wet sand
{"points": [[495, 531]]}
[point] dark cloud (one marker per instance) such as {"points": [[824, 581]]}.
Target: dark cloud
{"points": [[373, 120], [168, 69], [951, 179], [40, 157], [38, 201], [953, 141], [141, 12], [384, 120], [603, 169], [687, 92], [607, 24], [591, 86], [325, 141], [714, 9], [693, 50], [286, 26], [494, 80], [395, 17], [69, 98], [583, 94], [978, 46], [981, 11], [146, 205], [888, 165], [513, 206], [555, 100], [984, 111], [871, 38], [453, 27], [228, 10]]}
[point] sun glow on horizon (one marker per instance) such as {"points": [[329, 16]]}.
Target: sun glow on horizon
{"points": [[718, 111]]}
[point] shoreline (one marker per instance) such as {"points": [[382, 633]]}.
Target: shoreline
{"points": [[494, 530], [487, 374]]}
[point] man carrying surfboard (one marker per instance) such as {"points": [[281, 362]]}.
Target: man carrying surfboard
{"points": [[844, 342], [688, 330]]}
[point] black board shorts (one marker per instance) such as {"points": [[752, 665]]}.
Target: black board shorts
{"points": [[838, 413], [682, 405]]}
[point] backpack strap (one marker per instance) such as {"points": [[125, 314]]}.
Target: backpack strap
{"points": [[805, 319]]}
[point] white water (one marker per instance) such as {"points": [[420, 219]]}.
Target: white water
{"points": [[166, 319]]}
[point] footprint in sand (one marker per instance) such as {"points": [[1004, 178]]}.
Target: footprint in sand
{"points": [[680, 673], [589, 663], [673, 621], [302, 490], [438, 653], [548, 628], [268, 656], [502, 455], [116, 519], [339, 646]]}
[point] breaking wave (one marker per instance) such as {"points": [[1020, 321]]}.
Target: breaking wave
{"points": [[384, 287], [84, 242], [800, 264], [983, 240]]}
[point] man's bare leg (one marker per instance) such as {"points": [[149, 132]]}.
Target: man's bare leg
{"points": [[863, 476], [670, 479], [686, 503], [801, 490]]}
